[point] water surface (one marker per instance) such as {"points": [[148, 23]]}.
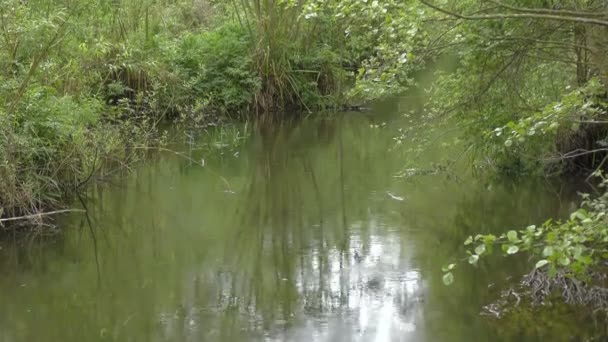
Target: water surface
{"points": [[304, 232]]}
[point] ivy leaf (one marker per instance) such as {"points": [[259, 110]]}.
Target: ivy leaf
{"points": [[512, 249], [448, 278]]}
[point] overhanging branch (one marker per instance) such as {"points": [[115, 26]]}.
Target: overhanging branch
{"points": [[500, 16], [581, 14]]}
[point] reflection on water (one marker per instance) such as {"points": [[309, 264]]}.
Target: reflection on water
{"points": [[375, 297], [306, 237]]}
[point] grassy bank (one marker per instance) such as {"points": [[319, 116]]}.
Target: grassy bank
{"points": [[84, 83]]}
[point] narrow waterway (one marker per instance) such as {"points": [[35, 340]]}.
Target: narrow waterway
{"points": [[331, 229]]}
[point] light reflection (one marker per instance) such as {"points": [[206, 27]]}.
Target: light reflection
{"points": [[382, 299]]}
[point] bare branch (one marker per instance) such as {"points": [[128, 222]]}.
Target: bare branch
{"points": [[576, 153], [500, 16], [547, 42], [551, 11]]}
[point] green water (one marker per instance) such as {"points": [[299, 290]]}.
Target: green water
{"points": [[301, 233]]}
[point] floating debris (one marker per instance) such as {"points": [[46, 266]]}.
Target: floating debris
{"points": [[395, 197]]}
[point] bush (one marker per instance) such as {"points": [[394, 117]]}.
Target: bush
{"points": [[569, 256], [217, 65], [49, 145]]}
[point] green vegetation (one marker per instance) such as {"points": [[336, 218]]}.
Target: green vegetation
{"points": [[530, 92], [85, 84]]}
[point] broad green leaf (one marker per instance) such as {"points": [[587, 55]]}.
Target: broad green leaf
{"points": [[548, 251], [580, 214], [479, 250], [541, 263]]}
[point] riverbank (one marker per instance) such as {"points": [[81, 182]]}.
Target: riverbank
{"points": [[84, 83]]}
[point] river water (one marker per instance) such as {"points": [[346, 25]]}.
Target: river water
{"points": [[313, 231]]}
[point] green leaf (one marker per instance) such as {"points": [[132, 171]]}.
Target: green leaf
{"points": [[580, 214], [512, 236], [489, 239], [448, 267], [578, 251], [473, 259], [565, 261], [541, 263], [512, 249], [448, 278], [468, 241], [479, 250], [548, 251]]}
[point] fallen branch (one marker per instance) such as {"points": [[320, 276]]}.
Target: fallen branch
{"points": [[38, 215]]}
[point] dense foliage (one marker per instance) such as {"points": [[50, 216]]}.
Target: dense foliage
{"points": [[530, 92]]}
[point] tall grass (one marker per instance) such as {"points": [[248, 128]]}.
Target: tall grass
{"points": [[299, 71]]}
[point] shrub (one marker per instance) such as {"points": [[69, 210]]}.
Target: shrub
{"points": [[217, 65], [49, 145]]}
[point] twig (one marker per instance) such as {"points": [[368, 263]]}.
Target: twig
{"points": [[577, 153]]}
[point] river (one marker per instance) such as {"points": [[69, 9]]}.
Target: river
{"points": [[329, 229]]}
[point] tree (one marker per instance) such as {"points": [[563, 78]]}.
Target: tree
{"points": [[522, 83]]}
